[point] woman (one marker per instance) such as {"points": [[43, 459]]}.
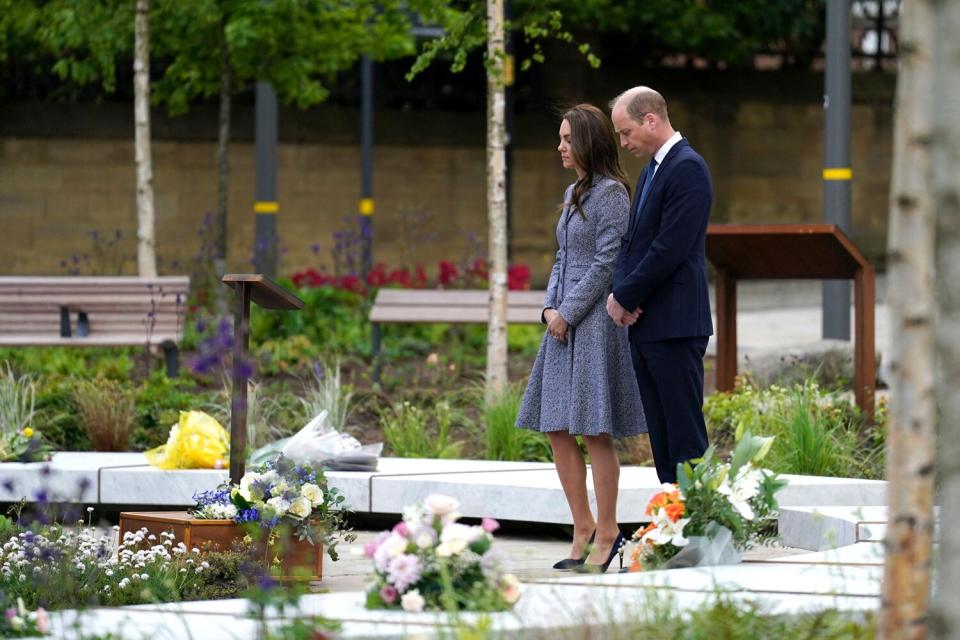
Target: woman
{"points": [[582, 381]]}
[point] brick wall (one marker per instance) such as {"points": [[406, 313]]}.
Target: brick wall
{"points": [[766, 158]]}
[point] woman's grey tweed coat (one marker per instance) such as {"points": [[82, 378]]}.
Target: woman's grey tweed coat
{"points": [[586, 386]]}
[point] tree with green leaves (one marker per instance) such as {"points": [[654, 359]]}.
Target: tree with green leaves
{"points": [[221, 47]]}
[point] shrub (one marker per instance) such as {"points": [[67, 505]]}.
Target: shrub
{"points": [[108, 412], [413, 432], [503, 440], [817, 432], [324, 391], [17, 401]]}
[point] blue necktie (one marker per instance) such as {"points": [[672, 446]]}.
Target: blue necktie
{"points": [[646, 188]]}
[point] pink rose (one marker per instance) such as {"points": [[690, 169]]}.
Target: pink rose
{"points": [[11, 613], [401, 529], [388, 594], [43, 621], [489, 525]]}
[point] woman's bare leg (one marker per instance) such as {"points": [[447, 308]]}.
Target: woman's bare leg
{"points": [[605, 468], [573, 478]]}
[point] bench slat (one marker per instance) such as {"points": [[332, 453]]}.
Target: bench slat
{"points": [[102, 298], [110, 340], [94, 281], [456, 315], [447, 297]]}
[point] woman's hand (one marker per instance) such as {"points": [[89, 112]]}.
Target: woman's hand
{"points": [[556, 325]]}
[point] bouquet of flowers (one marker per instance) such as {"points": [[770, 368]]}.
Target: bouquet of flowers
{"points": [[20, 622], [281, 493], [431, 561], [716, 510], [23, 445]]}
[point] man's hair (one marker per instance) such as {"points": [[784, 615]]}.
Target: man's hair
{"points": [[640, 101]]}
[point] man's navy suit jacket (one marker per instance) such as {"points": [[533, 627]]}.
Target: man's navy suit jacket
{"points": [[662, 264]]}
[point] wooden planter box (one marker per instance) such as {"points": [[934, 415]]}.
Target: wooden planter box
{"points": [[299, 560]]}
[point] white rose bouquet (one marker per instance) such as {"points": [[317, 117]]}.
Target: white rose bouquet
{"points": [[281, 493], [431, 561]]}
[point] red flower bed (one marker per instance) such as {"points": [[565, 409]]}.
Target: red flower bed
{"points": [[449, 276]]}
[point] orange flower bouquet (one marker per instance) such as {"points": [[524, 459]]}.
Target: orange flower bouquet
{"points": [[715, 511]]}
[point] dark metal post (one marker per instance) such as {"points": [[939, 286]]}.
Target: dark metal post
{"points": [[837, 172], [367, 207], [238, 405], [266, 206]]}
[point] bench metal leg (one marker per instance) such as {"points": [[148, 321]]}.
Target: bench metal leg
{"points": [[64, 322], [171, 358], [375, 348]]}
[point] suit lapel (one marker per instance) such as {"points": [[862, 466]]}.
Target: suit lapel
{"points": [[674, 150]]}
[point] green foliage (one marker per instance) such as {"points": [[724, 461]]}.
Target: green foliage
{"points": [[41, 362], [817, 432], [57, 415], [411, 431], [87, 38], [331, 319], [288, 355], [464, 27], [268, 602], [17, 401], [503, 440], [729, 31], [324, 391], [293, 44], [724, 618]]}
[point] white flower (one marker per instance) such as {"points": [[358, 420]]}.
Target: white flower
{"points": [[412, 601], [300, 508], [426, 539], [510, 588], [414, 515], [667, 531], [461, 532], [312, 493], [279, 505], [451, 548], [741, 489], [245, 482], [440, 505], [390, 548]]}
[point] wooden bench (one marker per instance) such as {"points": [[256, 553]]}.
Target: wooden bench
{"points": [[454, 306], [82, 311]]}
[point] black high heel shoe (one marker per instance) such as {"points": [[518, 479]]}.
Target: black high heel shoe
{"points": [[570, 563], [615, 550]]}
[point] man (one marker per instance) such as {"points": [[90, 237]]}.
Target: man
{"points": [[660, 281]]}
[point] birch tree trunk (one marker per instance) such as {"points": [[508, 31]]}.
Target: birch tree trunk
{"points": [[146, 245], [910, 438], [221, 299], [945, 614], [496, 203]]}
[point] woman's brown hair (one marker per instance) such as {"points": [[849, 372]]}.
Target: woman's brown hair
{"points": [[593, 145]]}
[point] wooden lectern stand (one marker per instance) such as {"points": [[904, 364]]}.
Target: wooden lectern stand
{"points": [[792, 251], [269, 295]]}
